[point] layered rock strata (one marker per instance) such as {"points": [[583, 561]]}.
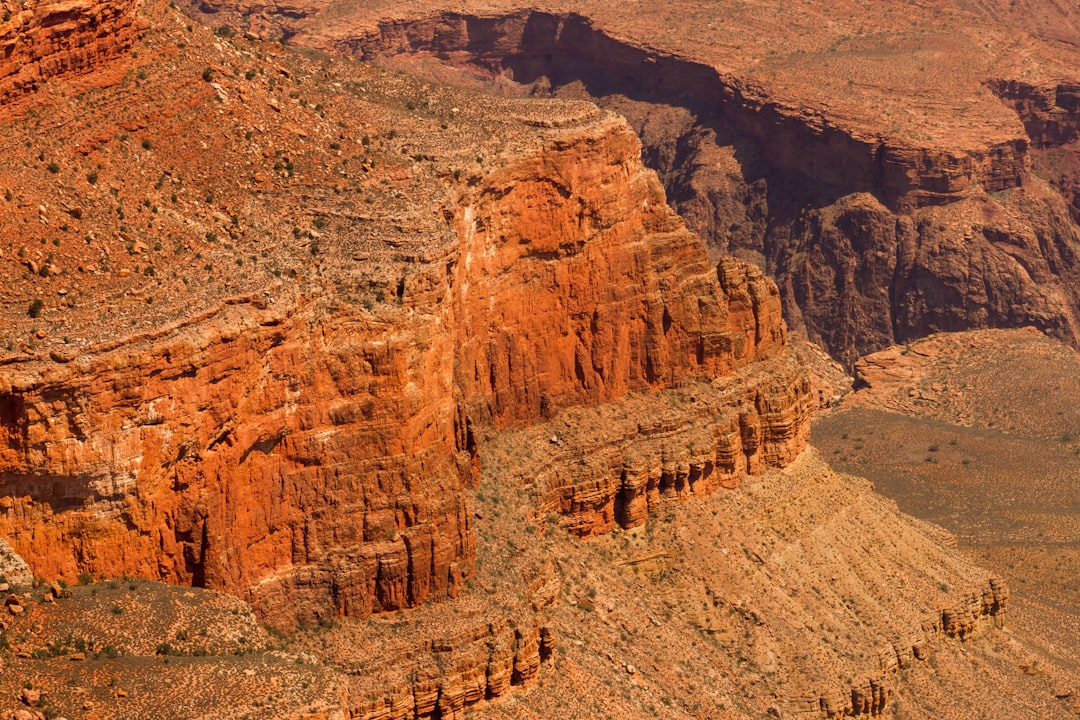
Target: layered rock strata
{"points": [[608, 467], [482, 663], [574, 282], [312, 456], [45, 39], [568, 47], [259, 452], [803, 580], [1050, 113]]}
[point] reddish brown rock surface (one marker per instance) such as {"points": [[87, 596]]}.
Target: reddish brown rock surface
{"points": [[42, 40], [214, 458], [339, 340]]}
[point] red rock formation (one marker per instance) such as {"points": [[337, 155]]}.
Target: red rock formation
{"points": [[42, 39], [618, 293], [482, 663], [977, 612], [314, 460], [609, 467], [1050, 113], [256, 453]]}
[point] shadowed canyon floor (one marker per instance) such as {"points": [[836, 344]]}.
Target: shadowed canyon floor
{"points": [[427, 405]]}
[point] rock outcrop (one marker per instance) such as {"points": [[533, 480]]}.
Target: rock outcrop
{"points": [[13, 568], [576, 282], [482, 663], [312, 457], [44, 39], [614, 466], [1050, 113], [564, 48], [246, 453]]}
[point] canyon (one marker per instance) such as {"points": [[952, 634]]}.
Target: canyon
{"points": [[377, 342]]}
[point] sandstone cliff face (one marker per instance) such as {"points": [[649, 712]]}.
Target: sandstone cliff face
{"points": [[1050, 113], [1051, 116], [42, 39], [862, 276], [477, 663], [313, 457], [616, 466], [873, 238], [570, 297], [273, 457]]}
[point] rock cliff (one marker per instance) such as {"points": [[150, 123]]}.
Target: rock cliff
{"points": [[41, 39], [269, 455], [615, 466], [340, 341], [482, 662], [312, 455], [837, 158]]}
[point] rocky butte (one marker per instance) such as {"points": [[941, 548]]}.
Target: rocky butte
{"points": [[423, 373]]}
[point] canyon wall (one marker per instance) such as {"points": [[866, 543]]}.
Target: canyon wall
{"points": [[573, 296], [42, 39], [564, 48], [281, 457], [1050, 113], [872, 237], [1051, 116], [313, 456], [477, 663], [649, 452]]}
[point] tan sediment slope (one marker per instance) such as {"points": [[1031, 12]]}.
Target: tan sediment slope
{"points": [[977, 431]]}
